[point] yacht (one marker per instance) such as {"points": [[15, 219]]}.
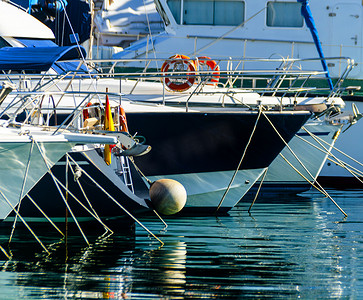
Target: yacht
{"points": [[269, 29], [250, 29]]}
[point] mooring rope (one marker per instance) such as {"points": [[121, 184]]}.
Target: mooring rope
{"points": [[340, 162], [348, 167], [25, 223], [60, 192], [22, 187], [93, 213], [81, 204], [302, 175], [240, 162], [116, 202], [258, 190], [6, 254], [44, 214], [286, 144], [354, 171]]}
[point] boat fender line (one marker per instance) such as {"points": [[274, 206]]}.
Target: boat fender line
{"points": [[179, 63], [140, 172], [206, 62]]}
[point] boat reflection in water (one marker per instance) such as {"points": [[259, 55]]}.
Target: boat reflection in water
{"points": [[292, 247]]}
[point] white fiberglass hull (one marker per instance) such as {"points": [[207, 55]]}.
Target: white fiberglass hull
{"points": [[287, 174], [26, 154], [205, 191], [22, 166], [349, 142]]}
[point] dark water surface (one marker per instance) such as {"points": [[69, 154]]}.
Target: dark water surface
{"points": [[299, 247]]}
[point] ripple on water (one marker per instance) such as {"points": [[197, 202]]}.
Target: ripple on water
{"points": [[300, 246]]}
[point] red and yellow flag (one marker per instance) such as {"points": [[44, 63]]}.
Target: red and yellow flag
{"points": [[109, 126]]}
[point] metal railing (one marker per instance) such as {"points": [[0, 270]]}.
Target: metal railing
{"points": [[286, 77]]}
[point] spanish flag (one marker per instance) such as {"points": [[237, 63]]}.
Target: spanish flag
{"points": [[108, 125]]}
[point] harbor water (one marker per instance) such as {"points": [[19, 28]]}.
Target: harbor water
{"points": [[295, 247]]}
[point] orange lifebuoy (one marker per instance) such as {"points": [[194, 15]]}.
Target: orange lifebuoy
{"points": [[205, 61], [179, 63], [123, 122]]}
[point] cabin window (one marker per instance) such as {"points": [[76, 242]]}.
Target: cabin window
{"points": [[208, 12], [175, 6], [284, 14]]}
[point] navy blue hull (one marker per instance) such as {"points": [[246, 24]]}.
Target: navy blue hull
{"points": [[340, 182], [47, 196], [210, 142]]}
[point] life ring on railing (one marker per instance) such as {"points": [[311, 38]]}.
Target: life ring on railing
{"points": [[207, 62], [179, 63], [123, 121]]}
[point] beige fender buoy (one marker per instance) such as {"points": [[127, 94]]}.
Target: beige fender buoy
{"points": [[168, 196]]}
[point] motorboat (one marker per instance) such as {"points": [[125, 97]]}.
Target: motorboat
{"points": [[216, 153], [254, 29], [305, 152]]}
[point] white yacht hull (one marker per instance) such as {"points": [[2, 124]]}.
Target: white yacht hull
{"points": [[206, 191], [284, 178], [21, 167], [26, 154], [349, 142]]}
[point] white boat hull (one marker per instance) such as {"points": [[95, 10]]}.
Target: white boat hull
{"points": [[27, 153], [283, 178], [205, 191], [21, 169], [349, 142]]}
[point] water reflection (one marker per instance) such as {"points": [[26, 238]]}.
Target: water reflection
{"points": [[287, 248], [71, 269]]}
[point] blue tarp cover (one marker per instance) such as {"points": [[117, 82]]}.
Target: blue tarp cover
{"points": [[36, 58], [309, 20]]}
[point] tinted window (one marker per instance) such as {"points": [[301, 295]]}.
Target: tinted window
{"points": [[208, 12], [284, 14]]}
